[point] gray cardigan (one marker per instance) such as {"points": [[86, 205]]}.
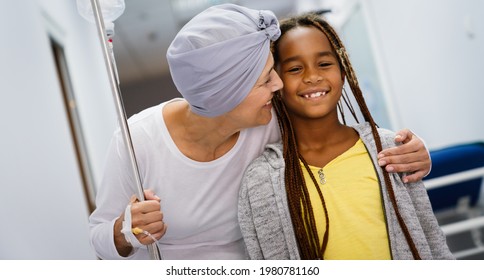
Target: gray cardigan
{"points": [[266, 224]]}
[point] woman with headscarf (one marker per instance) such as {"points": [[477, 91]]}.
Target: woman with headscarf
{"points": [[192, 151]]}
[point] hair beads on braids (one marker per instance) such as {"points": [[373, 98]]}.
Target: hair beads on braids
{"points": [[297, 192]]}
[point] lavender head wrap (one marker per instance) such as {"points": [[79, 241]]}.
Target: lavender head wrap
{"points": [[217, 57]]}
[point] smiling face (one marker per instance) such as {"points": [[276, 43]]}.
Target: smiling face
{"points": [[311, 74], [256, 108]]}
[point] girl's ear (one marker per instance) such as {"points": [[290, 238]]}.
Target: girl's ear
{"points": [[343, 76]]}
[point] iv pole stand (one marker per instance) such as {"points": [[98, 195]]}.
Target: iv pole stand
{"points": [[123, 123]]}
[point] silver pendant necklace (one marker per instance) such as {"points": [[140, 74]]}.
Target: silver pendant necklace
{"points": [[322, 178]]}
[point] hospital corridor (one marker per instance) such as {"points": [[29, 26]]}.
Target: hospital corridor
{"points": [[69, 81]]}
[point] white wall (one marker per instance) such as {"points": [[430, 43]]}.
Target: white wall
{"points": [[419, 63], [432, 58], [43, 211]]}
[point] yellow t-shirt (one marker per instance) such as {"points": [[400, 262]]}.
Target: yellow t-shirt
{"points": [[357, 227]]}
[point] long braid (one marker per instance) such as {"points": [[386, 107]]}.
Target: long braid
{"points": [[297, 193], [308, 240], [366, 113]]}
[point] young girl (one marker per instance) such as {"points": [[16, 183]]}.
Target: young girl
{"points": [[320, 194]]}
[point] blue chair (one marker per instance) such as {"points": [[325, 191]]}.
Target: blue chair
{"points": [[454, 186], [458, 160]]}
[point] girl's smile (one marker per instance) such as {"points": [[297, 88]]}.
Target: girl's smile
{"points": [[314, 94], [311, 73]]}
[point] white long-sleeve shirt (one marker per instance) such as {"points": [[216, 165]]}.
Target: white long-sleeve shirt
{"points": [[198, 199]]}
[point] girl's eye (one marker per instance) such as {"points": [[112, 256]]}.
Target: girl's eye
{"points": [[294, 69], [325, 64]]}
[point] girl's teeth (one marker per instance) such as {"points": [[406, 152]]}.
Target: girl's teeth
{"points": [[314, 95]]}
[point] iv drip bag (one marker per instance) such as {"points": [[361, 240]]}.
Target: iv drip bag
{"points": [[111, 9]]}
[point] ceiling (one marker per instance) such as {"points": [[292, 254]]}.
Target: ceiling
{"points": [[146, 28]]}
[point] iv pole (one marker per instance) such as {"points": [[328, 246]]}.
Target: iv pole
{"points": [[123, 123]]}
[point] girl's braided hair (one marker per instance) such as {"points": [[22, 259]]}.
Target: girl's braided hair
{"points": [[297, 191]]}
